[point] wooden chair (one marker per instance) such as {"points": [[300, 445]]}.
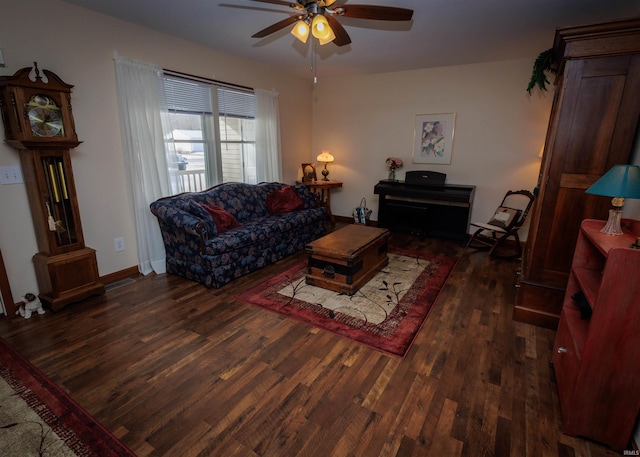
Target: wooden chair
{"points": [[505, 223]]}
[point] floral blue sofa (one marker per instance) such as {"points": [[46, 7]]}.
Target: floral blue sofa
{"points": [[197, 248]]}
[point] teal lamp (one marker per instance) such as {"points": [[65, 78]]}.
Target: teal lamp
{"points": [[622, 181]]}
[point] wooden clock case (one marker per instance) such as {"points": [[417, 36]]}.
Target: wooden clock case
{"points": [[66, 269]]}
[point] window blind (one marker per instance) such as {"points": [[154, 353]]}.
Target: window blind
{"points": [[187, 96], [233, 103]]}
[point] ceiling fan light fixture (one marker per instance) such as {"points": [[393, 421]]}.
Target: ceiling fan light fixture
{"points": [[329, 38], [320, 27], [321, 17], [301, 31]]}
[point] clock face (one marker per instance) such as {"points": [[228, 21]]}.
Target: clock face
{"points": [[45, 122], [44, 117]]}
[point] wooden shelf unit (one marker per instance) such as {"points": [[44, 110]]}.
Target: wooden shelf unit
{"points": [[596, 360]]}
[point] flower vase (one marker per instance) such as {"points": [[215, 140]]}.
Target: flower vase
{"points": [[392, 174]]}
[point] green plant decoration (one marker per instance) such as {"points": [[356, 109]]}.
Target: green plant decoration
{"points": [[543, 63]]}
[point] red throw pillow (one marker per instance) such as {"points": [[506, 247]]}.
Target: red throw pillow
{"points": [[284, 200], [223, 220]]}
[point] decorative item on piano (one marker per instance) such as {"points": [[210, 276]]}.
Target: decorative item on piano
{"points": [[393, 163]]}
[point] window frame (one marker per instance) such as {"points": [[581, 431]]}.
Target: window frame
{"points": [[232, 102]]}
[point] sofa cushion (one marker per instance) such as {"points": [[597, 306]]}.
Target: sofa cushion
{"points": [[243, 201], [265, 231], [223, 220], [283, 200]]}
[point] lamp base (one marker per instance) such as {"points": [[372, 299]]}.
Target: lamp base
{"points": [[612, 226], [325, 173]]}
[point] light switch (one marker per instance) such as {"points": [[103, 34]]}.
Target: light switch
{"points": [[10, 175]]}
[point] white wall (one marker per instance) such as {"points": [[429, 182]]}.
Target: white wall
{"points": [[78, 46], [499, 129]]}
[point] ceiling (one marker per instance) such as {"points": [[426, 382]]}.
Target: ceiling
{"points": [[442, 32]]}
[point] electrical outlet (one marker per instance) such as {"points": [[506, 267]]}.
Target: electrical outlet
{"points": [[10, 175], [118, 244]]}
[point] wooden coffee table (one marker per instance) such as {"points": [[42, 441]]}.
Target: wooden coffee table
{"points": [[346, 259]]}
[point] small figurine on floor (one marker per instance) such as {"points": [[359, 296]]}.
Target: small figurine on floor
{"points": [[31, 304]]}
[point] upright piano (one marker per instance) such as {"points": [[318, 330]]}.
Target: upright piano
{"points": [[423, 204]]}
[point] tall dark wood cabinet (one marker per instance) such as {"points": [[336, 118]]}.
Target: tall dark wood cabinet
{"points": [[593, 122]]}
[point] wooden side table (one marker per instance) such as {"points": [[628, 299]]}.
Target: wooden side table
{"points": [[323, 188]]}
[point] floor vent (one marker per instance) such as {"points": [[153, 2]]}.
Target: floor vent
{"points": [[120, 283]]}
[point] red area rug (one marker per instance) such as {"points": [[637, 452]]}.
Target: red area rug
{"points": [[386, 313], [39, 418]]}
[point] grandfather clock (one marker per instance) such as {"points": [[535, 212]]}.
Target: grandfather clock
{"points": [[38, 121]]}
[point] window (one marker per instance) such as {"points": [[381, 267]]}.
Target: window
{"points": [[212, 146], [237, 114]]}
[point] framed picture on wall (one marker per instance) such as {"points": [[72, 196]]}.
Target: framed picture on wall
{"points": [[433, 138], [309, 172]]}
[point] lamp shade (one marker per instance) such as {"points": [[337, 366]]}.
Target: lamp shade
{"points": [[622, 181], [327, 39], [320, 27], [301, 31], [325, 156]]}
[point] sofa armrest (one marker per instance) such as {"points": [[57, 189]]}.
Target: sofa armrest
{"points": [[175, 220]]}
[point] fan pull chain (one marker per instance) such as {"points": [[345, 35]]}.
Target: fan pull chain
{"points": [[313, 62]]}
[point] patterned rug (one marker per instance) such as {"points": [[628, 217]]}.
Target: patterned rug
{"points": [[386, 313], [37, 418]]}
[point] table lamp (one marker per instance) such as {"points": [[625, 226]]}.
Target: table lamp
{"points": [[325, 157], [622, 181]]}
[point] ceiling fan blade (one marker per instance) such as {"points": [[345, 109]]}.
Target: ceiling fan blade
{"points": [[342, 37], [275, 27], [278, 2], [382, 13]]}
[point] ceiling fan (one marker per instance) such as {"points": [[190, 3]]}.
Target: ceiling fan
{"points": [[318, 16]]}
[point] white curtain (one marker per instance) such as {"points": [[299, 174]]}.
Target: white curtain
{"points": [[268, 160], [151, 163]]}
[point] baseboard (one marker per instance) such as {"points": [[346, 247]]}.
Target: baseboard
{"points": [[349, 220], [120, 275]]}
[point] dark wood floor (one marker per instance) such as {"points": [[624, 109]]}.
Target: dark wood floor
{"points": [[175, 369]]}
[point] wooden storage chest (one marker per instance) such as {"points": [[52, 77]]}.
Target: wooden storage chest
{"points": [[346, 259]]}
